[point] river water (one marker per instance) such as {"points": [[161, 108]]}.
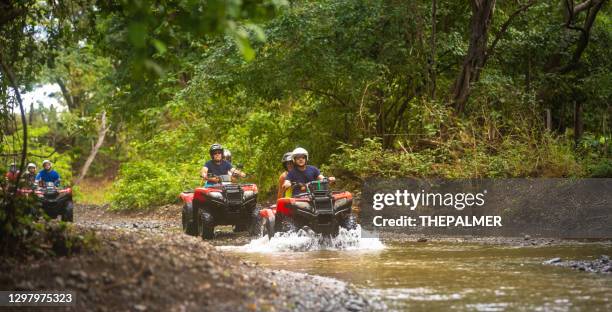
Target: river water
{"points": [[402, 275]]}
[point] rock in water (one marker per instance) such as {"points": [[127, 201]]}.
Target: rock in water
{"points": [[553, 260]]}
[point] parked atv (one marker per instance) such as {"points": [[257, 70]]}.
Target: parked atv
{"points": [[225, 203], [313, 206], [54, 201]]}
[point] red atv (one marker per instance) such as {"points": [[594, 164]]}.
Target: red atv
{"points": [[54, 201], [225, 203], [313, 206]]}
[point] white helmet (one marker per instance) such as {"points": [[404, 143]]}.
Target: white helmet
{"points": [[227, 155], [31, 165], [46, 161], [299, 151]]}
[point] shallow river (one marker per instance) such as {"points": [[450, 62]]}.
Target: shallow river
{"points": [[441, 275]]}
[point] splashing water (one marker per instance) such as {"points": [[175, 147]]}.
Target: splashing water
{"points": [[310, 241]]}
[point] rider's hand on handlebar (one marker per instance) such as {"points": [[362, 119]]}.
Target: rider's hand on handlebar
{"points": [[331, 179], [287, 184]]}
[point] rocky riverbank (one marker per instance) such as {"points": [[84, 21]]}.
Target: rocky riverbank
{"points": [[599, 265], [145, 263]]}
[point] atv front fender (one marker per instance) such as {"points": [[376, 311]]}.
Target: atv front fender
{"points": [[187, 197], [267, 213]]}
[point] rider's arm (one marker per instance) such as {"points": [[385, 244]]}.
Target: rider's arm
{"points": [[204, 174], [287, 184], [236, 171], [281, 187], [330, 179], [58, 179]]}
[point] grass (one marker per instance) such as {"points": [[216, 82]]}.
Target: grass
{"points": [[95, 191]]}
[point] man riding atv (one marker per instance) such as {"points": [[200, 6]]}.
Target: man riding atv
{"points": [[55, 200], [301, 172], [312, 206], [47, 175], [217, 166], [221, 201]]}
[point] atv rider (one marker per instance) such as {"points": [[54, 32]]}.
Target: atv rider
{"points": [[287, 162], [29, 178], [227, 155], [302, 173], [47, 175], [11, 174], [217, 166]]}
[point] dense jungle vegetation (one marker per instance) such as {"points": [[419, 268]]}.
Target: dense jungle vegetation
{"points": [[456, 89]]}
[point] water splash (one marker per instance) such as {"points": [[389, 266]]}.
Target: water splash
{"points": [[309, 241]]}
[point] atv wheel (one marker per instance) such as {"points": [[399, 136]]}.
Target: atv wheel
{"points": [[208, 227], [254, 227], [285, 224], [68, 215], [240, 228], [349, 222], [189, 226], [268, 227]]}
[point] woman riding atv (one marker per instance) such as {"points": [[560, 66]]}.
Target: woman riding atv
{"points": [[217, 166], [301, 172], [287, 162]]}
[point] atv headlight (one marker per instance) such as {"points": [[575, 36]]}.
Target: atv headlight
{"points": [[248, 194], [215, 195]]}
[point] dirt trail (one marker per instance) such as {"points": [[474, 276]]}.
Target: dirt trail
{"points": [[145, 263]]}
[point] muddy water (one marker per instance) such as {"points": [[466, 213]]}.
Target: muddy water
{"points": [[441, 275]]}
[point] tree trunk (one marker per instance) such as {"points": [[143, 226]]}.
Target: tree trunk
{"points": [[578, 124], [482, 14], [94, 151], [66, 93], [31, 114], [433, 50], [593, 8]]}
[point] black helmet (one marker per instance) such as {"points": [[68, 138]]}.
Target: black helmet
{"points": [[215, 147]]}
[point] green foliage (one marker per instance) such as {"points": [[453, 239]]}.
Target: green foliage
{"points": [[145, 184], [351, 82]]}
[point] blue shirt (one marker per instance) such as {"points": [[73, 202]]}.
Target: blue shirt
{"points": [[221, 169], [310, 173], [48, 176]]}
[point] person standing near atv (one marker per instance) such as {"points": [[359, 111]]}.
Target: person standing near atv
{"points": [[47, 174], [217, 166], [301, 172], [287, 162]]}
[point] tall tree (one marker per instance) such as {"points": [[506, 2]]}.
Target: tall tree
{"points": [[480, 24]]}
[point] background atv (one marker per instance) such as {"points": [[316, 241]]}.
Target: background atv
{"points": [[54, 201], [226, 203], [314, 206]]}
